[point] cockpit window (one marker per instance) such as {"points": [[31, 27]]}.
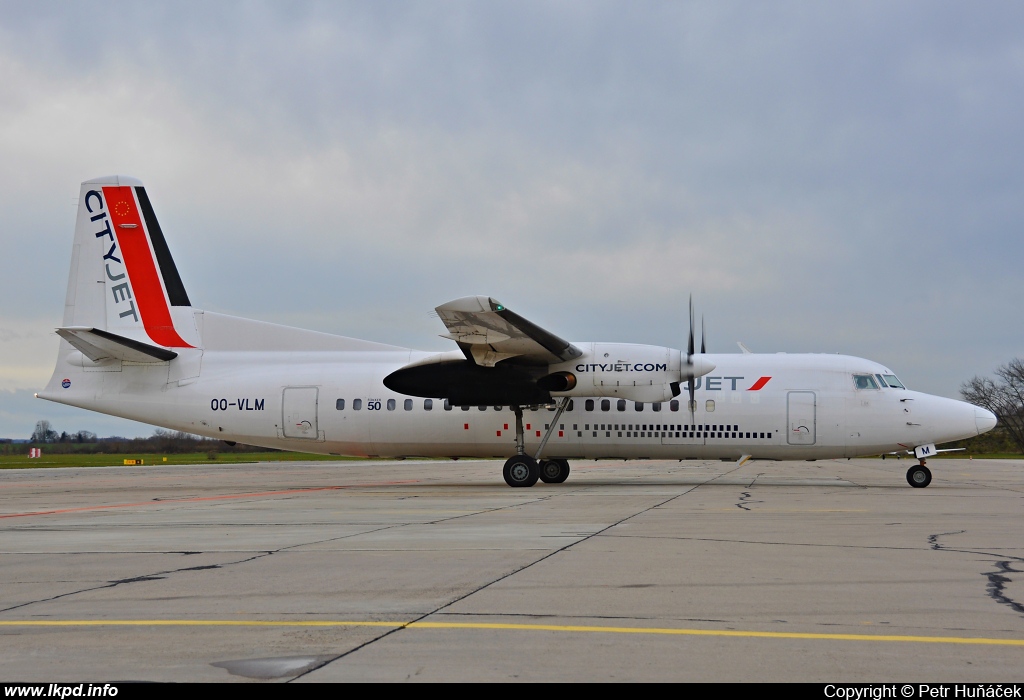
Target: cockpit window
{"points": [[892, 381], [864, 381]]}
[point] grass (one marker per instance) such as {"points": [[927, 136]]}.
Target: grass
{"points": [[151, 460]]}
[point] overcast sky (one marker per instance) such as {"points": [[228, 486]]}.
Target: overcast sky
{"points": [[822, 177]]}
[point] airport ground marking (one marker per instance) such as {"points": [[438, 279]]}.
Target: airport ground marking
{"points": [[522, 627], [200, 499]]}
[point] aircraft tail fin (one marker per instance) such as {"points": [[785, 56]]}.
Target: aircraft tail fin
{"points": [[123, 279]]}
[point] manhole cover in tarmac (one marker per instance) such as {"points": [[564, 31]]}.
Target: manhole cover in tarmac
{"points": [[271, 668]]}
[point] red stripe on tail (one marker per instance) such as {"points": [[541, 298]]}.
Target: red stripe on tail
{"points": [[138, 259]]}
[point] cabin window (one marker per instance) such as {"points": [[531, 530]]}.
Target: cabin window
{"points": [[620, 405], [340, 404], [407, 404], [892, 381], [447, 404], [428, 404], [673, 405], [589, 405], [570, 406], [391, 404], [464, 408], [357, 404], [606, 405], [864, 381], [638, 406], [709, 406], [655, 407], [482, 408]]}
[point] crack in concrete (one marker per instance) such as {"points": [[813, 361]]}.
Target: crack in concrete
{"points": [[159, 575], [745, 501], [996, 586], [112, 584], [784, 544], [503, 577]]}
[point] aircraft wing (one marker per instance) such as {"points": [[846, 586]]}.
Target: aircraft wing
{"points": [[488, 333]]}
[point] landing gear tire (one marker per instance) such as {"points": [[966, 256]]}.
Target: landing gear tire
{"points": [[521, 470], [554, 471], [919, 476]]}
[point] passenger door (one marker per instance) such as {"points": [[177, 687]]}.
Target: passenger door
{"points": [[299, 412], [801, 418]]}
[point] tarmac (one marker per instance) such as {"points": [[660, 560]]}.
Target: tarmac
{"points": [[827, 571]]}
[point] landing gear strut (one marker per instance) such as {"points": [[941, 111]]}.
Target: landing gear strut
{"points": [[521, 470], [919, 476], [524, 470]]}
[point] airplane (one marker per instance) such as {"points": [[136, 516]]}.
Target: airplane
{"points": [[132, 345]]}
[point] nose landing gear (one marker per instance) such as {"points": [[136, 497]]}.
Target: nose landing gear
{"points": [[919, 476]]}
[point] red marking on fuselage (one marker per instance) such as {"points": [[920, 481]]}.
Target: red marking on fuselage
{"points": [[138, 259], [759, 384]]}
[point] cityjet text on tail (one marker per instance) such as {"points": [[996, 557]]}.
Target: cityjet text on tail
{"points": [[134, 346]]}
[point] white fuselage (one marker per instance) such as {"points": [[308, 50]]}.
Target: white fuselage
{"points": [[288, 393]]}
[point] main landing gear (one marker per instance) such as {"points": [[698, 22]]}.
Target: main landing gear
{"points": [[524, 470], [521, 470], [919, 476], [554, 471]]}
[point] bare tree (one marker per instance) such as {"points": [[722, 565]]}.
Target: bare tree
{"points": [[44, 432], [1004, 397], [85, 436]]}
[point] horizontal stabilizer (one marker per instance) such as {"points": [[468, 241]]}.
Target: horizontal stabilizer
{"points": [[99, 345]]}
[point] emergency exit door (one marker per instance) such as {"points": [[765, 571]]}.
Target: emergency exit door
{"points": [[299, 408], [801, 417]]}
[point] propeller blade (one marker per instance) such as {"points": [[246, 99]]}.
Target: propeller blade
{"points": [[689, 360], [702, 350], [689, 343]]}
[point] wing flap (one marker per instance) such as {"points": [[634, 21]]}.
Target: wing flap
{"points": [[99, 345], [493, 333]]}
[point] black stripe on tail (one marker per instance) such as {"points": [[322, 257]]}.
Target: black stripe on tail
{"points": [[172, 281]]}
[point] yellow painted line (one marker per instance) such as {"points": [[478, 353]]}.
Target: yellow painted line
{"points": [[197, 623], [670, 631]]}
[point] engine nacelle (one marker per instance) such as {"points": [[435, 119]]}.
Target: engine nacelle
{"points": [[644, 373]]}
